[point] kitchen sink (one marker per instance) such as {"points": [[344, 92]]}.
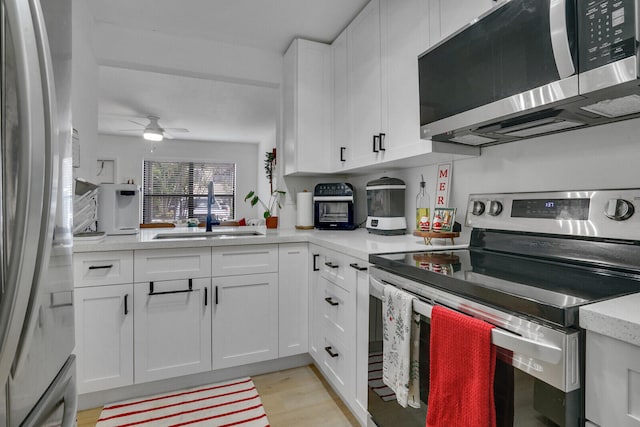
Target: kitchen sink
{"points": [[209, 235]]}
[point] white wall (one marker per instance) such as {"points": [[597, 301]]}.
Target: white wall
{"points": [[602, 157], [84, 91], [130, 152]]}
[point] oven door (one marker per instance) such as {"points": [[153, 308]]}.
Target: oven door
{"points": [[522, 391], [333, 213]]}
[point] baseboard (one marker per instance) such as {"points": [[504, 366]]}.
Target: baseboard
{"points": [[100, 398]]}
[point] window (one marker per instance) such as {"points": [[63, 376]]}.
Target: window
{"points": [[178, 190]]}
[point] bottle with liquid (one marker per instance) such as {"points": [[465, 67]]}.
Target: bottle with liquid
{"points": [[423, 220]]}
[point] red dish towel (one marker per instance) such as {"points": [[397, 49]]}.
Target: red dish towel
{"points": [[462, 367]]}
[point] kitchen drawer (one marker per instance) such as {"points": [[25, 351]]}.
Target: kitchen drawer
{"points": [[338, 311], [240, 260], [336, 365], [333, 267], [102, 268], [170, 264]]}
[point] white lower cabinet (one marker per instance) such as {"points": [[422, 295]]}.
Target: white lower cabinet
{"points": [[293, 289], [245, 319], [338, 327], [172, 328], [612, 382], [104, 336]]}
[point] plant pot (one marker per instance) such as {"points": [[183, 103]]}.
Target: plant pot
{"points": [[272, 222]]}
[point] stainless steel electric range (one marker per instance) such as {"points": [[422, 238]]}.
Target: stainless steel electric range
{"points": [[532, 261]]}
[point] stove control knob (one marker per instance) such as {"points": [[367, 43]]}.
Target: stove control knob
{"points": [[618, 209], [478, 208], [495, 207]]}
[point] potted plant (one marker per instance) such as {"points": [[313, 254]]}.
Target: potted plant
{"points": [[269, 209]]}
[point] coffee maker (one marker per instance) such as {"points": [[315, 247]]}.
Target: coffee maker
{"points": [[385, 206], [119, 208]]}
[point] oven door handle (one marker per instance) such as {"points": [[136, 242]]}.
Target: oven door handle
{"points": [[499, 338]]}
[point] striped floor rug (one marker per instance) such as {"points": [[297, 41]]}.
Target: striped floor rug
{"points": [[230, 403], [375, 378]]}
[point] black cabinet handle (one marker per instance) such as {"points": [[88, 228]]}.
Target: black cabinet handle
{"points": [[216, 295], [357, 267], [126, 304], [151, 292], [206, 296], [331, 353], [99, 267], [315, 265], [331, 265], [342, 159], [381, 144], [376, 138], [331, 301]]}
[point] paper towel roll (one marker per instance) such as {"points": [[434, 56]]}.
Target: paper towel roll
{"points": [[305, 210]]}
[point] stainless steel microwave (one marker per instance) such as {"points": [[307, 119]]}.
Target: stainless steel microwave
{"points": [[532, 67]]}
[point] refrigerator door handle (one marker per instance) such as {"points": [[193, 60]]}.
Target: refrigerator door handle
{"points": [[62, 390], [29, 186], [48, 147]]}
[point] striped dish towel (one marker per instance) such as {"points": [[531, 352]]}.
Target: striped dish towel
{"points": [[230, 403], [375, 378]]}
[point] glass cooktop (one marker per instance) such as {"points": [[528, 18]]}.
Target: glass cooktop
{"points": [[548, 290]]}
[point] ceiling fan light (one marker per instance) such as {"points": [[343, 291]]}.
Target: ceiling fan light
{"points": [[153, 135]]}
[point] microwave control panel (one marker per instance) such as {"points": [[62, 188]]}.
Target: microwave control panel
{"points": [[606, 32]]}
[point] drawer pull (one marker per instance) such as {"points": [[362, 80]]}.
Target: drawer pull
{"points": [[331, 353], [331, 265], [151, 292], [315, 265], [205, 296], [331, 301], [99, 267], [357, 267], [126, 304], [216, 295]]}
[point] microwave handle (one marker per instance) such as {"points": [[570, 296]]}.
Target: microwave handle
{"points": [[560, 38], [499, 338]]}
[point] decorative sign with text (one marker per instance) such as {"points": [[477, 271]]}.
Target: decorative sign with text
{"points": [[443, 182]]}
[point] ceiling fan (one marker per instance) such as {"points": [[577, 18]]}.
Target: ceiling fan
{"points": [[153, 131]]}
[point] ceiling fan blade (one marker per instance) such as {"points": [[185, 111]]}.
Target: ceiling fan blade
{"points": [[130, 130], [138, 123], [177, 130]]}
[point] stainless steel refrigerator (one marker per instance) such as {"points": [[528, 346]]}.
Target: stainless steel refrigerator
{"points": [[37, 368]]}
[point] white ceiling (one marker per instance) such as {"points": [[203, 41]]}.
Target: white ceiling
{"points": [[212, 109]]}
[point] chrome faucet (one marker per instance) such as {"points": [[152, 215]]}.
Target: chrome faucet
{"points": [[211, 199]]}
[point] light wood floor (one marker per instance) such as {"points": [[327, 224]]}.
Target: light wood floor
{"points": [[295, 397]]}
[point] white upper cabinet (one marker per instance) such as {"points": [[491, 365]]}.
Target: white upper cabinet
{"points": [[364, 84], [341, 149], [307, 83]]}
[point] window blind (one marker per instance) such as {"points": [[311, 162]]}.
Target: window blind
{"points": [[178, 190]]}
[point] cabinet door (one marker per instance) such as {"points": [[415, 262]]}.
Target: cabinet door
{"points": [[316, 329], [404, 37], [341, 144], [245, 319], [364, 82], [104, 337], [172, 329], [307, 106], [293, 299]]}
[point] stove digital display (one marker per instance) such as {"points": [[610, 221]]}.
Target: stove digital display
{"points": [[577, 209]]}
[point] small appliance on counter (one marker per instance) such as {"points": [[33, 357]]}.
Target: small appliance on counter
{"points": [[334, 207], [385, 206], [119, 208]]}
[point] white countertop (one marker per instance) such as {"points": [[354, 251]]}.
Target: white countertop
{"points": [[357, 243], [617, 318]]}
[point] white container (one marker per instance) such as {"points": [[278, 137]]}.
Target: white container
{"points": [[119, 209]]}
